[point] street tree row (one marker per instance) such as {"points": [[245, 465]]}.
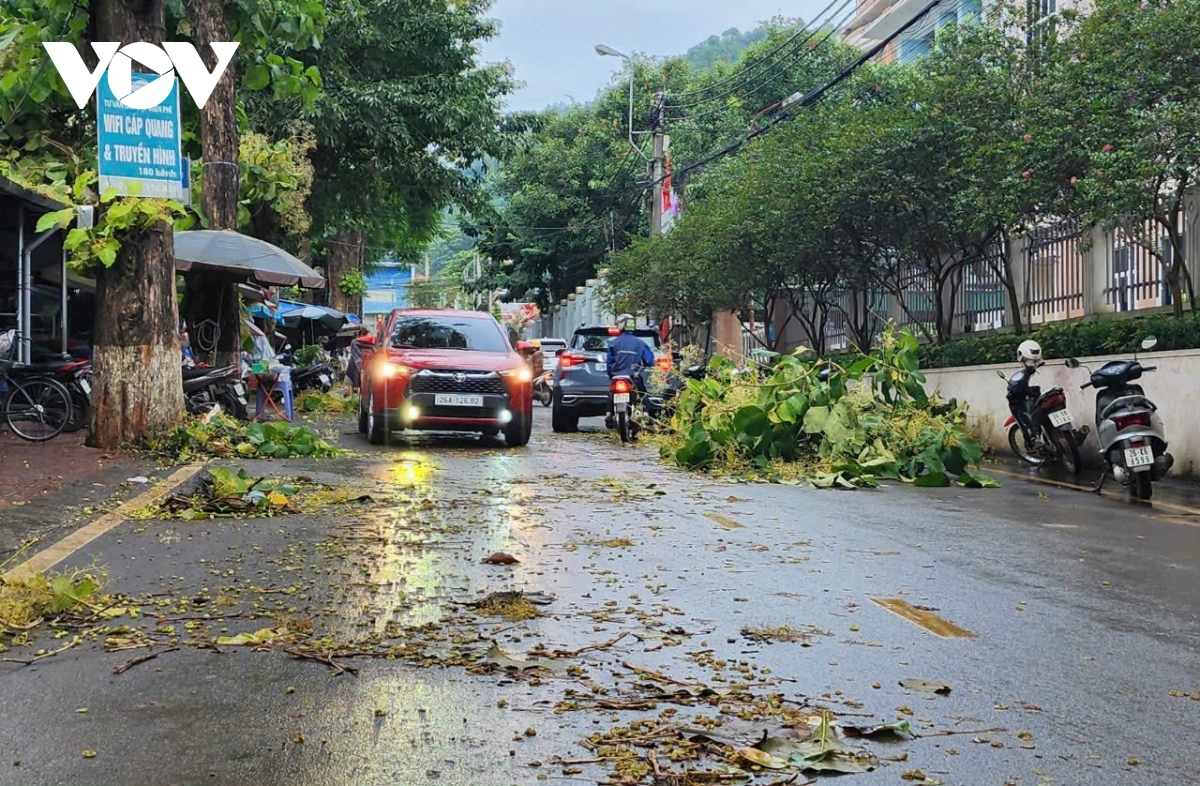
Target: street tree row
{"points": [[341, 124], [913, 173]]}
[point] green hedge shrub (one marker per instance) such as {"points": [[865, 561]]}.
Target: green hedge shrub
{"points": [[1108, 336]]}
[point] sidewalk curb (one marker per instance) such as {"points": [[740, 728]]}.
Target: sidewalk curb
{"points": [[57, 552]]}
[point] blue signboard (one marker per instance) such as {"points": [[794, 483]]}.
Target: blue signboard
{"points": [[140, 149]]}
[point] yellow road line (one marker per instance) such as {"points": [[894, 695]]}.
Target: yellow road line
{"points": [[926, 619], [1152, 505], [56, 553]]}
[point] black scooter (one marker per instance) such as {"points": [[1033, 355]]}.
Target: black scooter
{"points": [[205, 388]]}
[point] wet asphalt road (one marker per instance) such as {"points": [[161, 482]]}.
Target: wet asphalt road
{"points": [[1084, 612]]}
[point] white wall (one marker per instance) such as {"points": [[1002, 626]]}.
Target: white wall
{"points": [[1174, 387]]}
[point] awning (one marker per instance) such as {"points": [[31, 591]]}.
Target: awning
{"points": [[242, 255]]}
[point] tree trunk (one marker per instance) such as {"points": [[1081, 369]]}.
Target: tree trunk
{"points": [[345, 256], [217, 293], [137, 391]]}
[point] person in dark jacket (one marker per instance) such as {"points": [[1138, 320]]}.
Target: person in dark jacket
{"points": [[627, 356], [353, 368]]}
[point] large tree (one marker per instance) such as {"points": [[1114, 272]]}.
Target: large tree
{"points": [[404, 111]]}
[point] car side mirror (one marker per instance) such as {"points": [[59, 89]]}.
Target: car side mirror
{"points": [[1001, 375], [1072, 363]]}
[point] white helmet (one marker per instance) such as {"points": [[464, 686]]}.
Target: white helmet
{"points": [[1030, 353]]}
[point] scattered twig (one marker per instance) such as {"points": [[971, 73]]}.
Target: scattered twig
{"points": [[658, 675], [948, 732], [239, 615], [15, 626], [325, 658], [129, 664], [576, 653]]}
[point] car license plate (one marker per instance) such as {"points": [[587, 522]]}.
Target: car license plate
{"points": [[1139, 457], [620, 398], [1060, 418], [602, 365], [448, 400], [87, 388], [239, 388]]}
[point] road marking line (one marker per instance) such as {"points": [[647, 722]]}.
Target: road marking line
{"points": [[56, 553], [1151, 505], [926, 619]]}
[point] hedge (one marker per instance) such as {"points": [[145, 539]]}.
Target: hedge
{"points": [[1104, 336]]}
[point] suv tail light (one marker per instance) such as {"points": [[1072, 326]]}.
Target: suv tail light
{"points": [[663, 362], [1123, 422], [569, 359], [614, 331], [622, 386]]}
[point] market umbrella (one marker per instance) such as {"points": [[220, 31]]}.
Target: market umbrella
{"points": [[233, 252], [291, 315]]}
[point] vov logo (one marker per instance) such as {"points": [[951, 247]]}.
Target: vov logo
{"points": [[118, 61]]}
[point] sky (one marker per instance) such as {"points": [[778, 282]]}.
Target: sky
{"points": [[551, 43]]}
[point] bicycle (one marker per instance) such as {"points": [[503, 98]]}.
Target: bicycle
{"points": [[43, 402]]}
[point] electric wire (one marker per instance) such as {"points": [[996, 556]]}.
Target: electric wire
{"points": [[720, 109], [800, 39], [807, 100], [765, 58]]}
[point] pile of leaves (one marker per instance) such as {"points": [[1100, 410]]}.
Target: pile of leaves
{"points": [[25, 603], [334, 401], [222, 436], [833, 425]]}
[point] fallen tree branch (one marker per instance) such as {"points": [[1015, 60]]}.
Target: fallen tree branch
{"points": [[326, 658], [576, 653], [659, 676], [129, 664], [948, 732]]}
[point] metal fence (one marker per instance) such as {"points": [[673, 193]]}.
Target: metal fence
{"points": [[981, 296], [1134, 276], [1054, 271]]}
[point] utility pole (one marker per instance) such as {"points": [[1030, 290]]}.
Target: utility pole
{"points": [[657, 167]]}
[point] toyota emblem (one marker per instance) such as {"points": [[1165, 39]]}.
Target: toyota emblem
{"points": [[460, 378]]}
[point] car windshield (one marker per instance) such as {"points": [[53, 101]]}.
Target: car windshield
{"points": [[598, 342], [434, 332]]}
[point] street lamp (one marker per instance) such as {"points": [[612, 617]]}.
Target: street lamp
{"points": [[608, 51]]}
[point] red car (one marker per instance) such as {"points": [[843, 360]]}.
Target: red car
{"points": [[442, 370]]}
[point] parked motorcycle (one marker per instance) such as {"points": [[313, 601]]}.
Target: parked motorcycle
{"points": [[204, 388], [1052, 434], [542, 390], [319, 376], [1131, 433], [75, 375]]}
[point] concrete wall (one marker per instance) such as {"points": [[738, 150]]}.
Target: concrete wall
{"points": [[1174, 387]]}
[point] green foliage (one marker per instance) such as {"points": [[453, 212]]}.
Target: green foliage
{"points": [[119, 217], [224, 436], [1107, 336], [275, 180], [333, 402], [868, 420], [353, 284], [726, 47], [307, 355]]}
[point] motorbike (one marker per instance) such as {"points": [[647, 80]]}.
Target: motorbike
{"points": [[623, 392], [1052, 434], [541, 388], [205, 388], [1131, 433], [319, 376], [75, 375]]}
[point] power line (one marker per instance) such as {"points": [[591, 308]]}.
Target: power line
{"points": [[775, 68], [811, 49], [756, 64], [798, 101]]}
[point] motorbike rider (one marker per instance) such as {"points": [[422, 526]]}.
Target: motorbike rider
{"points": [[1029, 355], [627, 356]]}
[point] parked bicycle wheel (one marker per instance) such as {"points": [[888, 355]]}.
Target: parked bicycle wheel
{"points": [[37, 409]]}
